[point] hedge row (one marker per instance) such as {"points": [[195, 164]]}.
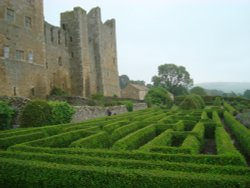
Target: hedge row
{"points": [[224, 144], [137, 155], [169, 150], [229, 108], [112, 126], [98, 140], [241, 133], [216, 119], [199, 131], [193, 144], [179, 126], [63, 139], [164, 139], [136, 139], [10, 141], [125, 130], [36, 174], [126, 163]]}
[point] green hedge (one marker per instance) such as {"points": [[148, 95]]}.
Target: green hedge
{"points": [[61, 112], [63, 139], [199, 131], [224, 144], [164, 139], [98, 140], [241, 133], [114, 125], [125, 163], [216, 118], [136, 139], [179, 126], [9, 141], [125, 130], [169, 150], [35, 173], [229, 108], [193, 144], [6, 113], [136, 155]]}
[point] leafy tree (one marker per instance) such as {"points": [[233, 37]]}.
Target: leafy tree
{"points": [[158, 96], [247, 94], [192, 102], [198, 91], [174, 78], [139, 82], [124, 81]]}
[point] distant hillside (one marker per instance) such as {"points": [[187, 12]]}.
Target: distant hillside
{"points": [[227, 87]]}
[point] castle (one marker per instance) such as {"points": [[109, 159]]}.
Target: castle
{"points": [[79, 56]]}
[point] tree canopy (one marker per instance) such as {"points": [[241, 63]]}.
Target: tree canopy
{"points": [[247, 94], [174, 78], [198, 91], [124, 81]]}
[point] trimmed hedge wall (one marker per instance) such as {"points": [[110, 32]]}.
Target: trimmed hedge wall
{"points": [[241, 133], [98, 140], [135, 139], [33, 173]]}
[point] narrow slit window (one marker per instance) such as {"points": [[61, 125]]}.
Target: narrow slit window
{"points": [[19, 55], [10, 15], [28, 23]]}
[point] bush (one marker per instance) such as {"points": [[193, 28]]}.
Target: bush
{"points": [[61, 112], [158, 96], [6, 114], [36, 113], [192, 102], [129, 105], [58, 92]]}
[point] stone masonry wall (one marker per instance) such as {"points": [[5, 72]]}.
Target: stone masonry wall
{"points": [[89, 112]]}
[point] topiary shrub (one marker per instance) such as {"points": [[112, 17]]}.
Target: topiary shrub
{"points": [[36, 113], [61, 112], [192, 102], [158, 96], [129, 105], [6, 113]]}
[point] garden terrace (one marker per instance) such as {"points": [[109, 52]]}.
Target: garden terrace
{"points": [[148, 148]]}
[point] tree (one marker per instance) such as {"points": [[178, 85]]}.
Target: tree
{"points": [[124, 80], [198, 91], [173, 78], [247, 94]]}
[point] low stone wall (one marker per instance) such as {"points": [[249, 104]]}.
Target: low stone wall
{"points": [[90, 112]]}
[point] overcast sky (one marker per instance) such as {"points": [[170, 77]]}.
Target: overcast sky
{"points": [[211, 38]]}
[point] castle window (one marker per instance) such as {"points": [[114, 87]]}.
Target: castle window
{"points": [[14, 91], [33, 91], [19, 55], [71, 39], [51, 34], [113, 60], [30, 57], [47, 65], [72, 54], [27, 22], [10, 15], [59, 37], [64, 26], [6, 52], [60, 61]]}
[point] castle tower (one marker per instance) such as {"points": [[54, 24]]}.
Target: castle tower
{"points": [[103, 54], [22, 48], [75, 25]]}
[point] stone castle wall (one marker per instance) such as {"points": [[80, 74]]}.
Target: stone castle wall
{"points": [[78, 57]]}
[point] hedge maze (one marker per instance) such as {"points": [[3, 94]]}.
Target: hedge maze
{"points": [[148, 148]]}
